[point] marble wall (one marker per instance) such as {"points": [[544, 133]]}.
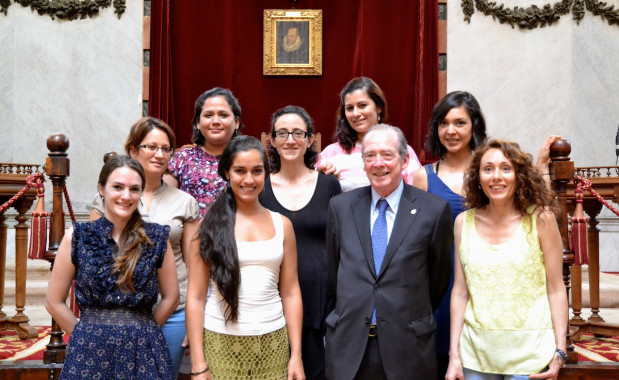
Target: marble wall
{"points": [[561, 79], [81, 78], [84, 79]]}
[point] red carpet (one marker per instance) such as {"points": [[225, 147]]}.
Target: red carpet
{"points": [[12, 348], [595, 349]]}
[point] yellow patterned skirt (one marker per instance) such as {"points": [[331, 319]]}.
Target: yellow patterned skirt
{"points": [[253, 357]]}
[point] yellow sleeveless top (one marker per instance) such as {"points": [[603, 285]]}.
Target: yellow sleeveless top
{"points": [[507, 323]]}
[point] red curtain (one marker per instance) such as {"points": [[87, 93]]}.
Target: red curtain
{"points": [[219, 43], [160, 91]]}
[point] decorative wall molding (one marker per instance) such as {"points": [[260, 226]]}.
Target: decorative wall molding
{"points": [[533, 16], [67, 9]]}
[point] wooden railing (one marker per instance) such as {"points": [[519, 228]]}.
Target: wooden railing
{"points": [[12, 180], [562, 173], [57, 170], [605, 181]]}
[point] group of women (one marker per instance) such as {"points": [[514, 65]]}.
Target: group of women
{"points": [[232, 239]]}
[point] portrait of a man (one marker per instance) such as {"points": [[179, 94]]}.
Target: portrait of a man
{"points": [[292, 42]]}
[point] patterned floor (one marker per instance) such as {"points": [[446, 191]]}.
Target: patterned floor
{"points": [[597, 349], [589, 348]]}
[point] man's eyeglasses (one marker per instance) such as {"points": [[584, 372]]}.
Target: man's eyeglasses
{"points": [[283, 134], [386, 156], [154, 148]]}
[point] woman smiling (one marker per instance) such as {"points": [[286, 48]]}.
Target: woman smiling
{"points": [[302, 194]]}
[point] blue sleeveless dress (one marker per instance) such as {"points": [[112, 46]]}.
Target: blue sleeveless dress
{"points": [[117, 336], [456, 203]]}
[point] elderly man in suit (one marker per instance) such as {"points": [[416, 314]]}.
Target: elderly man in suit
{"points": [[388, 247]]}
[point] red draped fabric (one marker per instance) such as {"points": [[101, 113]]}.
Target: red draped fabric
{"points": [[219, 43], [160, 91]]}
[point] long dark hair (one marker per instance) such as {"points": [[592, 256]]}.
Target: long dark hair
{"points": [[310, 156], [133, 236], [344, 133], [218, 245], [197, 137], [441, 109]]}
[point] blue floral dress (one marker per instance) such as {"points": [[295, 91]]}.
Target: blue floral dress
{"points": [[117, 336]]}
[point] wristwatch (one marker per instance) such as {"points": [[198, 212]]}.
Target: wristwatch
{"points": [[561, 354]]}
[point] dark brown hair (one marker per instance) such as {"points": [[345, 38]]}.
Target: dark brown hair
{"points": [[133, 236], [455, 99], [310, 156], [216, 232], [197, 136], [344, 133]]}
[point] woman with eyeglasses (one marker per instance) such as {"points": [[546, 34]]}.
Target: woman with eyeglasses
{"points": [[216, 120], [151, 142], [362, 106], [302, 194]]}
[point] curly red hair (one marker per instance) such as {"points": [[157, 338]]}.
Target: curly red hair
{"points": [[530, 186]]}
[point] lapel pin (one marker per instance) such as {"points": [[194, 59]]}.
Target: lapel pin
{"points": [[413, 211]]}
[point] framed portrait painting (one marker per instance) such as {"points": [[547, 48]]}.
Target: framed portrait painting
{"points": [[292, 43]]}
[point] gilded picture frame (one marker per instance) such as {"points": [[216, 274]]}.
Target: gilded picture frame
{"points": [[292, 42]]}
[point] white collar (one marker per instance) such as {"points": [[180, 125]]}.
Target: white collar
{"points": [[392, 199]]}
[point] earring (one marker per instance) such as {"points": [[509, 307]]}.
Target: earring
{"points": [[379, 118]]}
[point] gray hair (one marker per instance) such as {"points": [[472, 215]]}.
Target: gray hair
{"points": [[402, 144]]}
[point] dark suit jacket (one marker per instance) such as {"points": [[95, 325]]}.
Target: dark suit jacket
{"points": [[412, 281]]}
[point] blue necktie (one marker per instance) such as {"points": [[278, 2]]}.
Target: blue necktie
{"points": [[379, 241], [379, 235]]}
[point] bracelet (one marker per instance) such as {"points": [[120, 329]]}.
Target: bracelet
{"points": [[545, 173], [192, 374], [561, 354]]}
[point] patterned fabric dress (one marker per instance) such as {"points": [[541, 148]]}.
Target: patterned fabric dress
{"points": [[196, 173], [117, 336], [507, 322]]}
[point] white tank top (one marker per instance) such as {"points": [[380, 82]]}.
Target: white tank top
{"points": [[260, 306]]}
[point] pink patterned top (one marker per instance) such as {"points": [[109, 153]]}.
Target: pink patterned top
{"points": [[196, 173]]}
